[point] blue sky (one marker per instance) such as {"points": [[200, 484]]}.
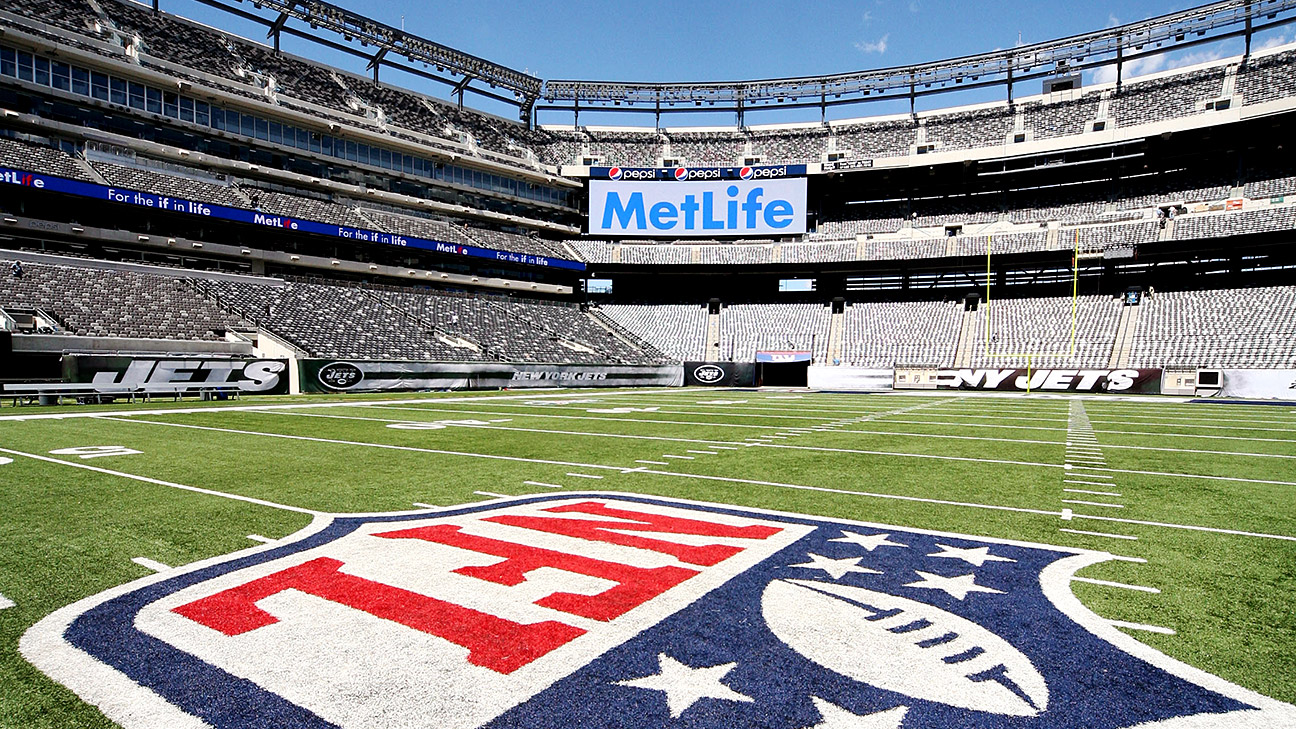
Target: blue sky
{"points": [[688, 40]]}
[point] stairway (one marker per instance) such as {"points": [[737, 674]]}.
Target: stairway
{"points": [[836, 337], [966, 345], [713, 338], [1125, 330]]}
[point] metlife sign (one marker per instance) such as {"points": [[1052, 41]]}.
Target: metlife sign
{"points": [[706, 209]]}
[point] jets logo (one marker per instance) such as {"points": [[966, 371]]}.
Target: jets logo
{"points": [[709, 373], [626, 611]]}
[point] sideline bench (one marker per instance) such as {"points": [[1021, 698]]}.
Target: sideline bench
{"points": [[53, 393]]}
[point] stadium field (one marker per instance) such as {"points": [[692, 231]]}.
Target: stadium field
{"points": [[1194, 501]]}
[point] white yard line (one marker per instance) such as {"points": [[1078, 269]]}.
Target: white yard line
{"points": [[6, 603], [1121, 585], [425, 506], [542, 483], [719, 478], [259, 538], [490, 494], [1099, 534], [577, 417], [168, 484], [150, 564], [1093, 503], [1091, 493], [1141, 626], [296, 406], [584, 475], [386, 446], [895, 433]]}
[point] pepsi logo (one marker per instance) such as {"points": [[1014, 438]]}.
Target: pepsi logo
{"points": [[745, 173], [681, 173], [614, 173]]}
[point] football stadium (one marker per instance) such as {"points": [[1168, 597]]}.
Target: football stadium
{"points": [[353, 377]]}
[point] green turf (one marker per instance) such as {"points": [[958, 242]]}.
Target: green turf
{"points": [[67, 533]]}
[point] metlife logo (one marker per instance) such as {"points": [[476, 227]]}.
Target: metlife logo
{"points": [[771, 207]]}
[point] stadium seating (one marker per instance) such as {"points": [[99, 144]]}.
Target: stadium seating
{"points": [[1038, 331], [1223, 328], [748, 328], [106, 303], [909, 333], [370, 322], [40, 157], [678, 330]]}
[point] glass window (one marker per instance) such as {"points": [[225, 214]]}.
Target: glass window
{"points": [[62, 75], [351, 151], [314, 142], [8, 62], [248, 125], [231, 121], [136, 92], [25, 71], [202, 113], [117, 91], [171, 104], [262, 129], [218, 118], [327, 145], [80, 80], [276, 133], [42, 71], [303, 139], [407, 163], [99, 85], [152, 100], [186, 109]]}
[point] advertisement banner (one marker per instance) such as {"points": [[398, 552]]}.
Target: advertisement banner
{"points": [[856, 379], [709, 209], [329, 375], [253, 217], [719, 374], [1256, 385], [784, 355], [259, 376], [1145, 381], [684, 174]]}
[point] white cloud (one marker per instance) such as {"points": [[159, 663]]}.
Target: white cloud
{"points": [[1112, 20], [868, 16], [913, 6], [878, 46], [1273, 42], [1153, 64]]}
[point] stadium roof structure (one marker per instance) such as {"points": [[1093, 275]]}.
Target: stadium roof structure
{"points": [[1065, 56], [382, 45], [391, 44]]}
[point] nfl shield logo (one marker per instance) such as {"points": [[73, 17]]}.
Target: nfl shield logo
{"points": [[615, 610]]}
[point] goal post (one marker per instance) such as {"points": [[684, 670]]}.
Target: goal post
{"points": [[992, 353]]}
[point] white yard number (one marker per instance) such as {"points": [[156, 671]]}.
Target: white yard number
{"points": [[95, 451], [437, 425], [3, 460]]}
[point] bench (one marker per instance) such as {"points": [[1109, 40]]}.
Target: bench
{"points": [[53, 393]]}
